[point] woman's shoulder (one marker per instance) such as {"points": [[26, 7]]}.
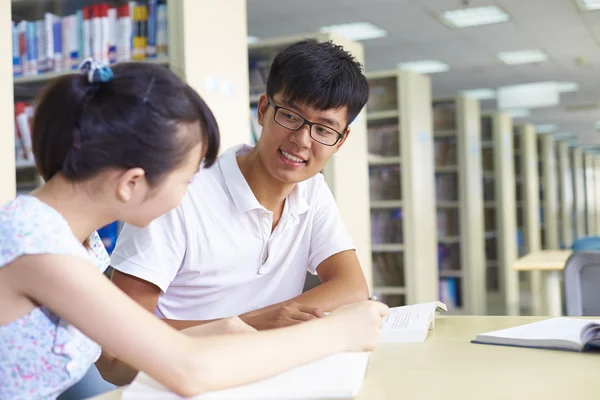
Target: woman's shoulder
{"points": [[29, 226]]}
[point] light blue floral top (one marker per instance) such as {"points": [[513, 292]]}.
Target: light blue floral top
{"points": [[40, 354]]}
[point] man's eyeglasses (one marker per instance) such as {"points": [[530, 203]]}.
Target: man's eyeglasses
{"points": [[294, 121]]}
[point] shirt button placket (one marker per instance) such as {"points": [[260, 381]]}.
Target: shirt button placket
{"points": [[266, 231]]}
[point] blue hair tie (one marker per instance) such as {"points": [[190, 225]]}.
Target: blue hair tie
{"points": [[95, 72]]}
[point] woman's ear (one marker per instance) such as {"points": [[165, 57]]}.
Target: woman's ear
{"points": [[131, 184]]}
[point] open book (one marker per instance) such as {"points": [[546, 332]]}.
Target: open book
{"points": [[339, 376], [574, 334], [410, 324]]}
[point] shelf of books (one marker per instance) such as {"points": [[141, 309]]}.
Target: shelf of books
{"points": [[7, 115], [500, 204], [346, 173], [565, 196], [46, 45], [578, 190], [402, 189], [590, 193], [548, 192], [528, 218], [51, 40], [459, 200]]}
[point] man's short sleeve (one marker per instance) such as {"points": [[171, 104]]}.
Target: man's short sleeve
{"points": [[329, 235], [154, 253]]}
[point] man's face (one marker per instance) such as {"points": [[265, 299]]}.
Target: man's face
{"points": [[292, 156]]}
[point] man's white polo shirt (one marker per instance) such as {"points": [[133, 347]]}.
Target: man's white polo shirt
{"points": [[215, 255]]}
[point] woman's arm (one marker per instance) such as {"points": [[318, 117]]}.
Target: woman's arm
{"points": [[76, 291], [119, 373]]}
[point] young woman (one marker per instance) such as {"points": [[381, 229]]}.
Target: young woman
{"points": [[124, 144]]}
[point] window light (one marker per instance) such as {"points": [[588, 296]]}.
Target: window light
{"points": [[518, 112], [480, 94], [588, 5], [252, 39], [563, 87], [473, 16], [564, 136], [545, 128], [425, 66], [522, 57], [356, 30]]}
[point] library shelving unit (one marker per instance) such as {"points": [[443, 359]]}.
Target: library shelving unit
{"points": [[590, 193], [548, 192], [565, 195], [459, 201], [346, 173], [578, 191], [222, 81], [7, 113], [499, 199], [528, 205], [402, 190]]}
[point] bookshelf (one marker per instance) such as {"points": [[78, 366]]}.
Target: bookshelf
{"points": [[346, 172], [460, 212], [402, 188], [565, 195], [579, 191], [548, 192], [7, 111], [528, 205], [590, 193], [499, 198], [222, 81]]}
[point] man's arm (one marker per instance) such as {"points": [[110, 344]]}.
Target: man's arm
{"points": [[146, 294], [274, 316], [342, 282]]}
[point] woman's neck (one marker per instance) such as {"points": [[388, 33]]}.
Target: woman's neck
{"points": [[83, 212]]}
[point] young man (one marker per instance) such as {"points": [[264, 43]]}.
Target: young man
{"points": [[253, 224]]}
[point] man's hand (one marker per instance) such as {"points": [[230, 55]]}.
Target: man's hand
{"points": [[280, 315]]}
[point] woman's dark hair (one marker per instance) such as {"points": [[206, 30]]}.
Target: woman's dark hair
{"points": [[79, 129], [320, 75]]}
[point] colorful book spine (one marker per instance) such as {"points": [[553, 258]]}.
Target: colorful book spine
{"points": [[16, 54], [31, 39], [162, 34], [152, 28], [134, 30]]}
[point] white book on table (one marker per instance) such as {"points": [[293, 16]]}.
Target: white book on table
{"points": [[575, 334], [410, 324], [339, 376]]}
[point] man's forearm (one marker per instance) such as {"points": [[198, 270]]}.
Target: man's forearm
{"points": [[332, 294]]}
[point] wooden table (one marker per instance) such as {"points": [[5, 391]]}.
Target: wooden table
{"points": [[447, 366], [551, 263]]}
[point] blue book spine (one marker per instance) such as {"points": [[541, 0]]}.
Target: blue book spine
{"points": [[79, 28], [16, 55], [58, 45], [31, 37], [152, 28]]}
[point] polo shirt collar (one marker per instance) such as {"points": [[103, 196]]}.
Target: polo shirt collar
{"points": [[241, 193]]}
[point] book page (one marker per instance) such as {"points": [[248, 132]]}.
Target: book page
{"points": [[409, 323], [566, 329], [339, 376]]}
